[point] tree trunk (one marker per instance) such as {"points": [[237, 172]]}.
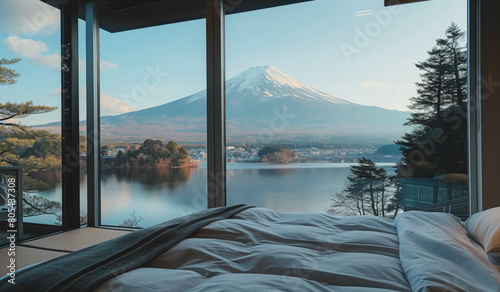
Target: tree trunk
{"points": [[363, 205], [460, 97], [373, 199], [383, 202]]}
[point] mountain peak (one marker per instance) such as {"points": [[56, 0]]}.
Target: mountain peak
{"points": [[254, 76], [266, 82]]}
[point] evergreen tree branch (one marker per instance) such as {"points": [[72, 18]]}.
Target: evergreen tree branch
{"points": [[9, 117]]}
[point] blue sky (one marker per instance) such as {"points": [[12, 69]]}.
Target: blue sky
{"points": [[324, 44]]}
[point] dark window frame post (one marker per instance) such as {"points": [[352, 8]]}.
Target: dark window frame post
{"points": [[474, 106], [93, 114], [70, 116], [216, 85]]}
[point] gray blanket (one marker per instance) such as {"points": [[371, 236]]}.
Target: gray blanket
{"points": [[86, 269]]}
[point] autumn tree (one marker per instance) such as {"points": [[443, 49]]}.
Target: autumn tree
{"points": [[151, 153], [276, 154], [154, 149], [31, 149], [176, 152]]}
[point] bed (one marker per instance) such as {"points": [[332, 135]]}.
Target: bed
{"points": [[240, 248]]}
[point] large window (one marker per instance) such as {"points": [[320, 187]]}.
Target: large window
{"points": [[153, 124], [30, 110], [348, 107]]}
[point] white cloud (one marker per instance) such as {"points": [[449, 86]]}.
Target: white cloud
{"points": [[369, 84], [28, 17], [53, 60], [113, 106], [109, 105], [381, 87], [55, 92], [26, 48], [33, 51], [106, 65]]}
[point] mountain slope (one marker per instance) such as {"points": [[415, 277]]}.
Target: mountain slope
{"points": [[262, 105]]}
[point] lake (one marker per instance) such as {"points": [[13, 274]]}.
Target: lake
{"points": [[157, 195]]}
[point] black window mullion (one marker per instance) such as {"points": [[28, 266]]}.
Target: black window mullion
{"points": [[216, 127]]}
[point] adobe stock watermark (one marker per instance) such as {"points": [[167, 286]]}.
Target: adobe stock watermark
{"points": [[35, 23], [363, 37], [153, 78], [454, 118], [280, 120], [199, 200]]}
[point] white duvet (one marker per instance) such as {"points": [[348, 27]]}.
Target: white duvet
{"points": [[263, 250]]}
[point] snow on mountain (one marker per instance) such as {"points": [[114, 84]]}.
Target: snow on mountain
{"points": [[262, 102], [202, 95], [265, 83], [268, 82]]}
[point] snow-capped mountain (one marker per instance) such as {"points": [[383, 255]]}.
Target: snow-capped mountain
{"points": [[267, 83], [262, 105], [264, 83]]}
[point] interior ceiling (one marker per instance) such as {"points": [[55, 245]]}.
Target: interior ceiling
{"points": [[398, 2], [123, 15]]}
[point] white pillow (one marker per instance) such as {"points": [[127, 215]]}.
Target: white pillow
{"points": [[485, 227]]}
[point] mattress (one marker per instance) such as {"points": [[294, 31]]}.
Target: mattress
{"points": [[264, 250]]}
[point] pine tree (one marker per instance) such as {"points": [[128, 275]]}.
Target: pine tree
{"points": [[367, 192], [23, 146], [8, 76], [428, 105], [438, 141], [458, 87], [458, 55]]}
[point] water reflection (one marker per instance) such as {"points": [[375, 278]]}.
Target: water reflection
{"points": [[172, 178], [54, 177], [151, 179], [274, 172], [161, 194]]}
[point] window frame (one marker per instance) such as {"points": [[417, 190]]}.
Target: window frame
{"points": [[215, 13]]}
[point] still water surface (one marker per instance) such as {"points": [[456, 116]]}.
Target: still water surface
{"points": [[161, 194]]}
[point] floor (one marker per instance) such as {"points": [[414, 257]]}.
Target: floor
{"points": [[39, 250]]}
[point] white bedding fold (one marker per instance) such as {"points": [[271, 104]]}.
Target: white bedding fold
{"points": [[437, 255], [295, 250]]}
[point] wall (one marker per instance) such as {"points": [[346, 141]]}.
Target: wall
{"points": [[490, 105]]}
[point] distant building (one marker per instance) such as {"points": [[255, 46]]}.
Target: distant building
{"points": [[445, 193]]}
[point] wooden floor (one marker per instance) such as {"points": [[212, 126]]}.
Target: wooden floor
{"points": [[36, 251]]}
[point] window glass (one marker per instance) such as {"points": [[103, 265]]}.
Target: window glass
{"points": [[30, 102], [153, 124], [83, 126], [347, 107]]}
